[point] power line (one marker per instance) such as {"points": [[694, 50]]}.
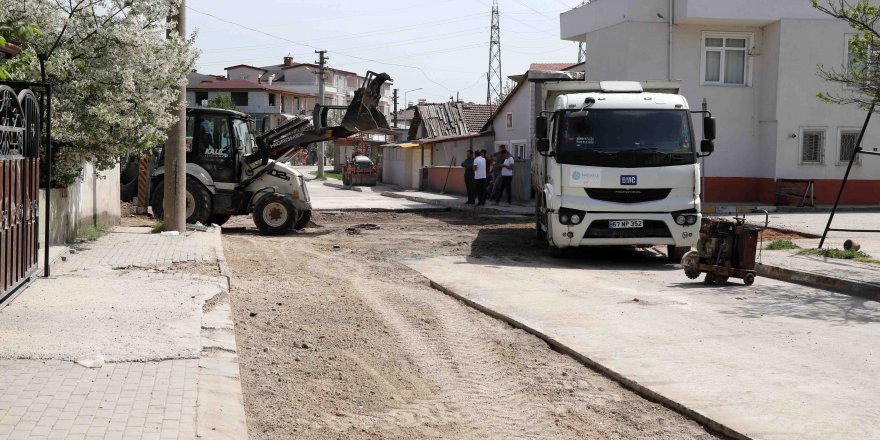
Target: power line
{"points": [[316, 48]]}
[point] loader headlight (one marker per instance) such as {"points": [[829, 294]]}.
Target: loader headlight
{"points": [[681, 220], [564, 219], [692, 219], [575, 219]]}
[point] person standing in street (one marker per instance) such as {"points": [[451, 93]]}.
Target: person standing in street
{"points": [[480, 178], [506, 177], [468, 166]]}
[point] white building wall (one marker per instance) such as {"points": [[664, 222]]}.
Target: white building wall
{"points": [[521, 115], [804, 45]]}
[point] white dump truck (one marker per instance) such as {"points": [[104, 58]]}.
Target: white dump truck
{"points": [[617, 163]]}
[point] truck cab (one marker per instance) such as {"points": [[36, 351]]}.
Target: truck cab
{"points": [[618, 166]]}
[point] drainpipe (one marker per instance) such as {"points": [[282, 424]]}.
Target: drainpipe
{"points": [[669, 40]]}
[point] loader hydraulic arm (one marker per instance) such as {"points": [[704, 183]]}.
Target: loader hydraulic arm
{"points": [[361, 116]]}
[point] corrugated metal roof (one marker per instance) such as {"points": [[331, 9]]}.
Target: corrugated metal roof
{"points": [[449, 119]]}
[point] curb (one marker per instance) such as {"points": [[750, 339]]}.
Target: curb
{"points": [[641, 390], [220, 412], [839, 285], [455, 206]]}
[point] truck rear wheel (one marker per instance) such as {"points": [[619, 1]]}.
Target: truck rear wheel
{"points": [[274, 214]]}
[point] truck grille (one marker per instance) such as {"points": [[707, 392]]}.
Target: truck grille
{"points": [[652, 229], [628, 195]]}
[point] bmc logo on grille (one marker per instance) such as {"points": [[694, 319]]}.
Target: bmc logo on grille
{"points": [[628, 180]]}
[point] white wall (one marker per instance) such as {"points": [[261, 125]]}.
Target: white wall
{"points": [[520, 107], [92, 199], [245, 73], [804, 45]]}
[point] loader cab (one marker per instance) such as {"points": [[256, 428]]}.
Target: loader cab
{"points": [[217, 140]]}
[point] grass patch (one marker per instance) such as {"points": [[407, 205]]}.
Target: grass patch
{"points": [[158, 227], [778, 245], [842, 254], [91, 233], [329, 174]]}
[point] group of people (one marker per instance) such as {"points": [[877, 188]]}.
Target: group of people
{"points": [[482, 173]]}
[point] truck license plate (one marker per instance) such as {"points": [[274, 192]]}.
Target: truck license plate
{"points": [[620, 224]]}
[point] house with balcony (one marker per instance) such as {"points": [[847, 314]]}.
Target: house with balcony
{"points": [[754, 64], [268, 104]]}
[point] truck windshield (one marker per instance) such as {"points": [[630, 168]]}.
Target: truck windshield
{"points": [[625, 138]]}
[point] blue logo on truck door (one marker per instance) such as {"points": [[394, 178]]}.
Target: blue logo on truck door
{"points": [[628, 180]]}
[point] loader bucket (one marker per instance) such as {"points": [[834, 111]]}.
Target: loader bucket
{"points": [[362, 114]]}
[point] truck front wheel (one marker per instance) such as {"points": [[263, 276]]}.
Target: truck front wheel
{"points": [[540, 233], [675, 254], [274, 214]]}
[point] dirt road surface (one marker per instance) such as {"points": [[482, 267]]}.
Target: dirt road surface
{"points": [[338, 340]]}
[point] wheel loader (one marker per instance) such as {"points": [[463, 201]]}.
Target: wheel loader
{"points": [[229, 171]]}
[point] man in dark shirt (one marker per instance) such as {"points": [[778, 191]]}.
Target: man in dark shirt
{"points": [[468, 166]]}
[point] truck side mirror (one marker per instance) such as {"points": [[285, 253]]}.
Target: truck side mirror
{"points": [[543, 145], [709, 128], [707, 146], [541, 127]]}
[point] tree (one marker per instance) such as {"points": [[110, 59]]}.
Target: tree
{"points": [[15, 31], [222, 101], [115, 70], [506, 90], [861, 75]]}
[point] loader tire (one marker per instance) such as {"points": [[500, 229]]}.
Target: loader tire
{"points": [[157, 199], [198, 201], [274, 214], [303, 221], [218, 219]]}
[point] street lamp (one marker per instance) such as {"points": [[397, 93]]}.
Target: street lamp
{"points": [[405, 102]]}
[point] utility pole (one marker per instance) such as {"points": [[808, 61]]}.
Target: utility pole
{"points": [[322, 60], [395, 108], [174, 202]]}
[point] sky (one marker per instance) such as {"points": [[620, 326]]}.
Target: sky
{"points": [[438, 46]]}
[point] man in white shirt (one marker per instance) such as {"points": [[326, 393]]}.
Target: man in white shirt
{"points": [[480, 178], [506, 177]]}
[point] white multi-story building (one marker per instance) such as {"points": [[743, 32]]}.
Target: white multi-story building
{"points": [[755, 64]]}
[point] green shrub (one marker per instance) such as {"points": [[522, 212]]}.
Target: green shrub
{"points": [[91, 233], [777, 245], [158, 227], [842, 254]]}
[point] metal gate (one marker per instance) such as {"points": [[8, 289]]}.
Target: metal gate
{"points": [[19, 188]]}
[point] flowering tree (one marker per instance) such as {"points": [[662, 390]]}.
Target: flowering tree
{"points": [[115, 67], [862, 72]]}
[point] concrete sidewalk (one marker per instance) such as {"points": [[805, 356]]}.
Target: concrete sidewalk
{"points": [[844, 276], [451, 201], [768, 361], [131, 337]]}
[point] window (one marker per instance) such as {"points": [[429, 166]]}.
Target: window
{"points": [[848, 139], [812, 145], [509, 120], [725, 58], [240, 98], [201, 97], [271, 99]]}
